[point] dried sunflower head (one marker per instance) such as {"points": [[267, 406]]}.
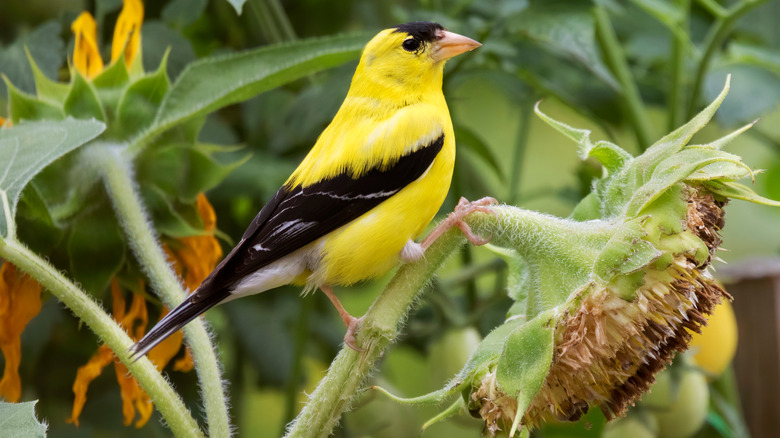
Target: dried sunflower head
{"points": [[604, 299]]}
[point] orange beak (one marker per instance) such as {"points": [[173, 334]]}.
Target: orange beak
{"points": [[450, 44]]}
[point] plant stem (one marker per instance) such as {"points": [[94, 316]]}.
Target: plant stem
{"points": [[519, 153], [285, 27], [167, 401], [714, 39], [121, 188], [617, 62], [301, 338], [380, 326], [679, 44]]}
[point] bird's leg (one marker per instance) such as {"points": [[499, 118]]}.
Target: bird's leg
{"points": [[455, 219], [350, 321]]}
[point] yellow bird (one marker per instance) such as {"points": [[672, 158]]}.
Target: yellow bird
{"points": [[370, 185]]}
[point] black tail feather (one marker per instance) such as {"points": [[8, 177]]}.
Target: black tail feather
{"points": [[174, 320]]}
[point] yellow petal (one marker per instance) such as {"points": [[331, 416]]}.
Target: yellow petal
{"points": [[186, 363], [127, 32], [86, 56], [206, 212], [195, 257], [84, 376], [2, 122], [20, 301]]}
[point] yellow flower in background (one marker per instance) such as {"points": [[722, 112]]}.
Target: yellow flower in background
{"points": [[127, 39], [86, 55], [127, 32], [193, 259], [134, 400], [714, 348], [20, 301], [2, 122]]}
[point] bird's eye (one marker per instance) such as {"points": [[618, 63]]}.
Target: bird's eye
{"points": [[411, 44]]}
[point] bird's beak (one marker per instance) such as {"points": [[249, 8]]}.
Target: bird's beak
{"points": [[450, 44]]}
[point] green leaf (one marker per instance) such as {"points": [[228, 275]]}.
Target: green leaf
{"points": [[96, 250], [674, 169], [24, 106], [158, 39], [82, 101], [566, 29], [489, 349], [46, 88], [610, 155], [625, 252], [739, 191], [667, 12], [212, 83], [18, 419], [29, 147], [677, 139], [170, 217], [517, 277], [183, 170], [44, 44], [237, 5], [181, 13], [526, 359], [113, 76], [140, 101], [588, 208]]}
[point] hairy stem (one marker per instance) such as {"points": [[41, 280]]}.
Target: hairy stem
{"points": [[616, 59], [380, 326], [165, 399], [132, 215]]}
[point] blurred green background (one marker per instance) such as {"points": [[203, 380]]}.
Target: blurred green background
{"points": [[277, 345]]}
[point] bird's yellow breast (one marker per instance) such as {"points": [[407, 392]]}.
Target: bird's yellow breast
{"points": [[369, 246]]}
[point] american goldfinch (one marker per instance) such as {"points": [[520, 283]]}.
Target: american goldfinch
{"points": [[373, 181]]}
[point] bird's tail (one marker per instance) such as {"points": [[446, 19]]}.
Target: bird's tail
{"points": [[174, 320]]}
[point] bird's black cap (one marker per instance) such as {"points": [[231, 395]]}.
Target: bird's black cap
{"points": [[422, 30]]}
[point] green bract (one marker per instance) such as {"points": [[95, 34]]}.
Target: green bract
{"points": [[605, 298]]}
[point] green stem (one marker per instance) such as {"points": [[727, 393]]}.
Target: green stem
{"points": [[282, 20], [301, 338], [165, 399], [679, 45], [616, 59], [380, 326], [265, 22], [714, 8], [121, 188], [712, 41], [519, 153]]}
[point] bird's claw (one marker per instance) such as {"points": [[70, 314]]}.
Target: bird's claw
{"points": [[465, 208], [455, 219], [349, 337]]}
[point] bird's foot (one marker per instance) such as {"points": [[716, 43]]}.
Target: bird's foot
{"points": [[349, 337], [350, 321], [455, 219]]}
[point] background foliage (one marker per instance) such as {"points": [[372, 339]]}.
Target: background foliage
{"points": [[276, 345]]}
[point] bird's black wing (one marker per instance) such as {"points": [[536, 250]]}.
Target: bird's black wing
{"points": [[293, 218], [297, 216]]}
